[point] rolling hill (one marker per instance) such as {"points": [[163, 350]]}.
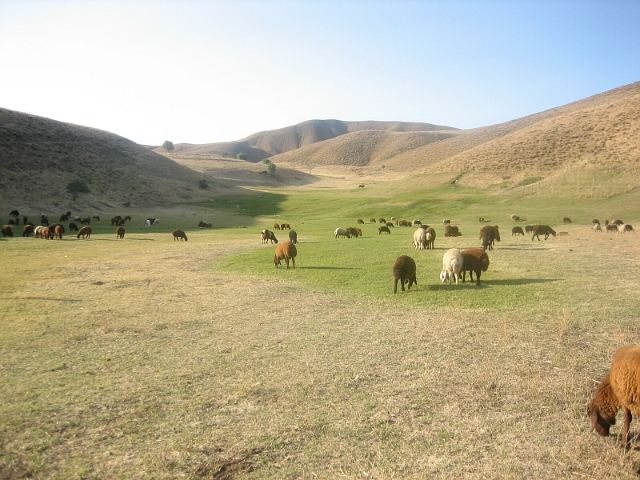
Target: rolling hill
{"points": [[596, 137], [265, 144], [40, 156]]}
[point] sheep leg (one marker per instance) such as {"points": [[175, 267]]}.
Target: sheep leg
{"points": [[395, 286], [402, 282], [293, 260], [627, 424], [286, 259], [477, 277]]}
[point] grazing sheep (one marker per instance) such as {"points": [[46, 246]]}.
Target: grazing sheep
{"points": [[566, 220], [445, 221], [14, 213], [404, 269], [452, 263], [361, 185], [341, 232], [64, 217], [431, 238], [96, 218], [7, 231], [611, 227], [179, 235], [390, 225], [73, 227], [359, 230], [517, 231], [489, 235], [451, 231], [597, 227], [372, 220], [625, 228], [120, 232], [618, 222], [404, 223], [353, 232], [528, 228], [293, 236], [285, 251], [360, 221], [56, 231], [619, 389], [38, 231], [28, 230], [545, 230], [203, 224], [84, 232], [276, 226], [483, 220], [117, 220], [416, 222], [474, 260], [382, 220], [420, 239], [148, 222], [285, 225], [595, 221], [515, 218], [384, 229], [45, 233], [268, 236]]}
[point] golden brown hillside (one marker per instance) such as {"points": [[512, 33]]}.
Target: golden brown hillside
{"points": [[272, 142], [594, 140], [40, 156]]}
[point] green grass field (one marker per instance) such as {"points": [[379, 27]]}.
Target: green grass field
{"points": [[149, 358]]}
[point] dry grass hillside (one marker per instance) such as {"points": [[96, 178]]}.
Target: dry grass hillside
{"points": [[272, 142], [591, 141], [40, 156]]}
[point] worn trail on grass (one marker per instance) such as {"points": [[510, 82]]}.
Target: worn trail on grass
{"points": [[142, 360]]}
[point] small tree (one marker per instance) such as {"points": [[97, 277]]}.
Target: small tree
{"points": [[76, 187], [271, 167], [203, 184], [168, 146]]}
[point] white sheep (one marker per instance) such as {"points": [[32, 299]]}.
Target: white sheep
{"points": [[452, 262], [597, 227], [342, 232], [420, 239]]}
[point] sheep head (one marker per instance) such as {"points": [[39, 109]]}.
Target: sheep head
{"points": [[603, 408]]}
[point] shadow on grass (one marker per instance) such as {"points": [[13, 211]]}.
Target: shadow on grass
{"points": [[124, 240], [329, 268], [522, 248], [489, 283], [67, 300]]}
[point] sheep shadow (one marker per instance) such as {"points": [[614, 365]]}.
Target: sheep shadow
{"points": [[123, 239], [51, 299], [489, 283], [522, 248], [328, 268]]}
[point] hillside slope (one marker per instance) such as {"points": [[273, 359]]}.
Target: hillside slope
{"points": [[261, 145], [40, 156]]}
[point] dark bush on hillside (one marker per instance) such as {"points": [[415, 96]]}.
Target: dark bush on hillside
{"points": [[76, 187], [203, 184], [168, 146]]}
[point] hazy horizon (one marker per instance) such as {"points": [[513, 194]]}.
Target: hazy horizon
{"points": [[200, 72]]}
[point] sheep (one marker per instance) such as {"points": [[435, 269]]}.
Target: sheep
{"points": [[384, 229], [625, 228], [120, 232], [57, 231], [38, 231], [342, 232], [445, 221], [474, 260], [595, 220], [285, 251], [7, 231], [293, 236], [268, 236], [359, 230], [45, 233], [620, 388], [179, 235], [420, 239], [404, 223], [285, 225], [360, 221], [361, 185], [431, 238], [452, 263], [84, 232], [545, 230], [28, 230], [382, 220], [528, 228], [416, 222], [611, 227], [390, 225], [483, 220], [489, 235], [148, 222], [85, 221], [73, 227], [203, 224], [597, 227], [276, 226], [96, 218], [517, 231], [451, 231], [515, 218], [566, 220], [353, 232], [618, 222], [404, 269], [372, 220]]}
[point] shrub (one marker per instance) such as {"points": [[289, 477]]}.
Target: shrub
{"points": [[203, 184], [76, 187], [168, 146]]}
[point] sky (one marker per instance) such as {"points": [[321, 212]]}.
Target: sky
{"points": [[208, 71]]}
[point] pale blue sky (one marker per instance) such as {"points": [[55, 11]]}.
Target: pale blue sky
{"points": [[212, 71]]}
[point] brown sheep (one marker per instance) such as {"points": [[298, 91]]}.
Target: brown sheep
{"points": [[545, 230], [474, 260], [382, 220], [179, 235], [517, 231], [451, 230], [285, 251], [58, 231], [293, 236], [285, 225], [353, 232], [404, 269], [372, 220], [120, 232], [619, 389], [404, 223], [431, 238], [28, 230], [276, 226], [84, 232], [489, 234], [528, 228], [268, 236], [595, 221], [384, 229], [7, 231], [361, 221], [566, 220], [390, 225], [611, 227]]}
